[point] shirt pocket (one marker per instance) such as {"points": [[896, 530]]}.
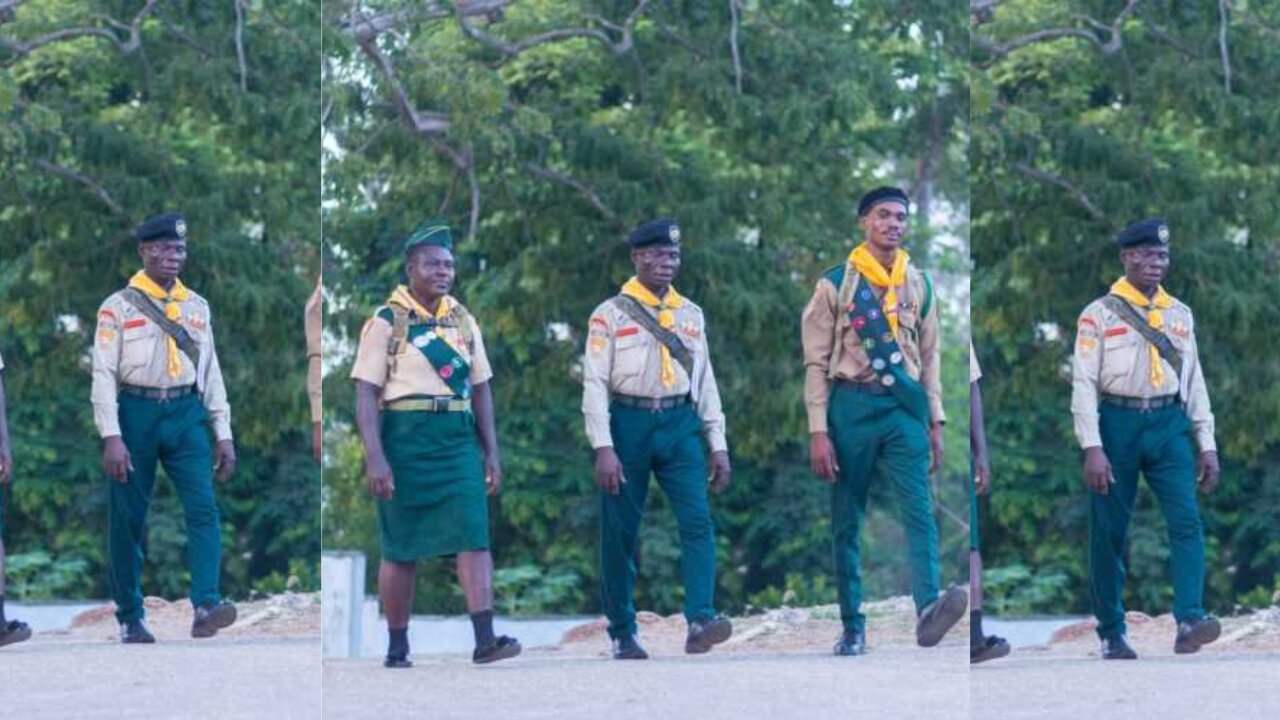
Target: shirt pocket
{"points": [[630, 353], [138, 342], [1120, 354]]}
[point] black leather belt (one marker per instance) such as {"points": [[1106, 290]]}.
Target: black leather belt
{"points": [[870, 388], [654, 404], [1143, 404], [172, 393]]}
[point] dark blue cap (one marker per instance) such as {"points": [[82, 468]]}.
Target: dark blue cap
{"points": [[1152, 231], [169, 226], [879, 195], [663, 231]]}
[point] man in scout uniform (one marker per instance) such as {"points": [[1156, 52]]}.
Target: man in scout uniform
{"points": [[313, 325], [425, 410], [1137, 393], [11, 631], [874, 402], [156, 380], [981, 647], [648, 392]]}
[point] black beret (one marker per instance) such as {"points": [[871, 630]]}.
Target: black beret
{"points": [[879, 195], [663, 231], [169, 226], [432, 231], [1152, 231]]}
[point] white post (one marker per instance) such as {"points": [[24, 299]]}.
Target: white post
{"points": [[342, 598]]}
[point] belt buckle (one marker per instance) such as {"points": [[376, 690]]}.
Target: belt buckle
{"points": [[439, 405]]}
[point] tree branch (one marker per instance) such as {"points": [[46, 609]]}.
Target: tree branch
{"points": [[591, 196], [1075, 192], [475, 193], [1109, 46], [69, 174], [359, 25], [421, 121], [244, 80], [1222, 45], [125, 45], [511, 50], [733, 45]]}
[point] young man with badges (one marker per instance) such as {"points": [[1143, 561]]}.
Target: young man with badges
{"points": [[11, 631], [874, 403], [425, 411]]}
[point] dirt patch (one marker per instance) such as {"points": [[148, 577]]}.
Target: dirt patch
{"points": [[889, 622], [1255, 631], [284, 615]]}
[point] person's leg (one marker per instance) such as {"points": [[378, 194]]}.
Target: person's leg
{"points": [[855, 434], [1170, 469], [188, 460], [905, 458], [128, 503], [620, 517], [395, 588], [681, 469], [475, 574], [1109, 517]]}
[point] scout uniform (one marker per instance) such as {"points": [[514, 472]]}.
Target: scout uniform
{"points": [[157, 399], [975, 374], [11, 631], [640, 400], [313, 326], [1133, 403], [871, 353], [426, 364]]}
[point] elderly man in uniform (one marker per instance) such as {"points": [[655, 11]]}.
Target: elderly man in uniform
{"points": [[313, 325], [874, 403], [424, 406], [648, 389], [982, 647], [1138, 396], [156, 381], [11, 631]]}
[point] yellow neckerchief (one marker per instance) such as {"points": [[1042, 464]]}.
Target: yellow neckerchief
{"points": [[172, 310], [869, 267], [405, 299], [634, 288], [1162, 301]]}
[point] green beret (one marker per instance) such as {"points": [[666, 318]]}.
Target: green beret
{"points": [[432, 231]]}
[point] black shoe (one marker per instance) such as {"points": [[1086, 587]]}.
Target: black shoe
{"points": [[1196, 633], [397, 661], [1117, 648], [212, 618], [940, 615], [136, 632], [501, 649], [705, 633], [627, 648], [14, 631], [851, 642], [992, 647]]}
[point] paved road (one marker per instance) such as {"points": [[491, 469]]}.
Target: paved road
{"points": [[226, 678], [1037, 684], [890, 683]]}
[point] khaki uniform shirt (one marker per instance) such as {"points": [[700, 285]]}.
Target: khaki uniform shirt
{"points": [[1112, 358], [918, 338], [411, 373], [314, 320], [623, 358], [130, 349]]}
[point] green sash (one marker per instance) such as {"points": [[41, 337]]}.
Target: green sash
{"points": [[872, 327], [448, 363]]}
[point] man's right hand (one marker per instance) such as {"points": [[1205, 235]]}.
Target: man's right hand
{"points": [[822, 457], [1097, 470], [378, 472], [115, 459], [608, 471]]}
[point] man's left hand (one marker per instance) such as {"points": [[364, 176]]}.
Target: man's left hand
{"points": [[935, 444], [492, 474], [224, 460], [720, 471], [1208, 471]]}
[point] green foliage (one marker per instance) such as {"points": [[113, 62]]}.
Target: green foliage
{"points": [[764, 182], [167, 126], [1070, 144], [40, 576], [1016, 590]]}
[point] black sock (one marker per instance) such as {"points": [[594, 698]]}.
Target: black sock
{"points": [[398, 646], [482, 624], [976, 638]]}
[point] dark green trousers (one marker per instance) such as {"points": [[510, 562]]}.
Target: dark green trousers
{"points": [[1157, 445], [874, 433], [668, 445], [172, 433]]}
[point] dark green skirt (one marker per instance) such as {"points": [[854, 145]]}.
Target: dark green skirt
{"points": [[439, 506]]}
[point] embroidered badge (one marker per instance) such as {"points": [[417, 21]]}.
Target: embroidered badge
{"points": [[446, 371], [624, 332]]}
